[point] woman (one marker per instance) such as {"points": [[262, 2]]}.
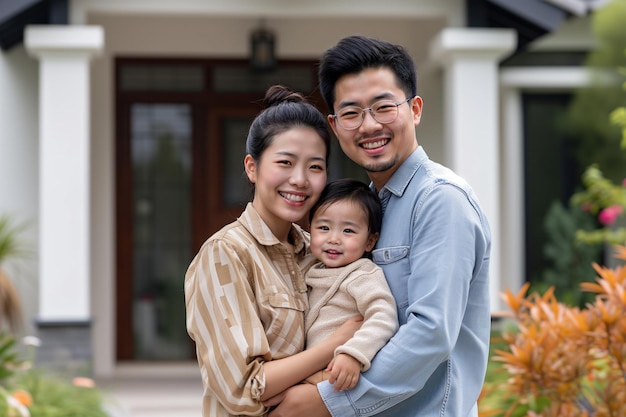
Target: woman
{"points": [[245, 292]]}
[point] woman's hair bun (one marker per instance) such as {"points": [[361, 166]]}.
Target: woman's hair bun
{"points": [[278, 94]]}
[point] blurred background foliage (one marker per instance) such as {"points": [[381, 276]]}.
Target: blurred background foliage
{"points": [[582, 230]]}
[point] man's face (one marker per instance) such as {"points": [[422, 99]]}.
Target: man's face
{"points": [[379, 148]]}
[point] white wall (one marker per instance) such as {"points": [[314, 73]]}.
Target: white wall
{"points": [[19, 165]]}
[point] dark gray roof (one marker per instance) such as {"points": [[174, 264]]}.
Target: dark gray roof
{"points": [[530, 18], [16, 14]]}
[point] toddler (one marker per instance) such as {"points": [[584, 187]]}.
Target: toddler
{"points": [[345, 223]]}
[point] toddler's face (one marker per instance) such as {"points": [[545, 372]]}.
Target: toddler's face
{"points": [[340, 234]]}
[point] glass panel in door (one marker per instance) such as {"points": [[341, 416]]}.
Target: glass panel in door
{"points": [[161, 140]]}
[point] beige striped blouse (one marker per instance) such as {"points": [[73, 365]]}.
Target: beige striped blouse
{"points": [[245, 297]]}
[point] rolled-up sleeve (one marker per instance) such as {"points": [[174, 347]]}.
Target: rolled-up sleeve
{"points": [[380, 320]]}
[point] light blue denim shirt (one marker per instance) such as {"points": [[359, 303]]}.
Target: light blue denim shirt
{"points": [[434, 249]]}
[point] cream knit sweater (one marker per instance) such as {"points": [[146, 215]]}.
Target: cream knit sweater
{"points": [[336, 294]]}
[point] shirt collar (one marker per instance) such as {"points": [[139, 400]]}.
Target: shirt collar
{"points": [[252, 221], [400, 179]]}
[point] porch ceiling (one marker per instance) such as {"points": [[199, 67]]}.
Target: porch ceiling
{"points": [[530, 18]]}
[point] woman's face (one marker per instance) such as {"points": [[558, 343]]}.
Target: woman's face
{"points": [[288, 178]]}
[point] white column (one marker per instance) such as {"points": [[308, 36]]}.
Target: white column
{"points": [[512, 186], [64, 54], [470, 59]]}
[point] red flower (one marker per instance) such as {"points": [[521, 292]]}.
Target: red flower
{"points": [[608, 215]]}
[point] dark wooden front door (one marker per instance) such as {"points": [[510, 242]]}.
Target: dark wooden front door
{"points": [[181, 127]]}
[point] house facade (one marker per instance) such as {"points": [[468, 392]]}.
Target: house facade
{"points": [[122, 124]]}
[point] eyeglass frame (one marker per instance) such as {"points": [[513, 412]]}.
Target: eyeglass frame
{"points": [[371, 112]]}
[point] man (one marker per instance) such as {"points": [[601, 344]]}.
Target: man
{"points": [[434, 248]]}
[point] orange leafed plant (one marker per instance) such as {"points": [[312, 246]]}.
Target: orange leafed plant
{"points": [[566, 361]]}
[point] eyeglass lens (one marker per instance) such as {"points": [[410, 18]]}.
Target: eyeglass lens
{"points": [[385, 111]]}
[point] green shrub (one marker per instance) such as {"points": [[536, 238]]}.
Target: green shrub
{"points": [[28, 392], [571, 260]]}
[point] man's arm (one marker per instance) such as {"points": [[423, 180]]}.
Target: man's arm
{"points": [[431, 284], [432, 302]]}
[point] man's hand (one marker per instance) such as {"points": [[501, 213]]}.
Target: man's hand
{"points": [[301, 400]]}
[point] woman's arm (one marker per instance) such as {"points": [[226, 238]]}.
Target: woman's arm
{"points": [[231, 342], [222, 319], [283, 373]]}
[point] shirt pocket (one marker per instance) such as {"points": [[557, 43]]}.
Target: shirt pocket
{"points": [[384, 256], [394, 260], [283, 300], [286, 325]]}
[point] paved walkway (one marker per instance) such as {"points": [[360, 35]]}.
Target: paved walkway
{"points": [[154, 390]]}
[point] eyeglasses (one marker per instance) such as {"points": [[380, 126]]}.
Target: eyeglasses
{"points": [[384, 111]]}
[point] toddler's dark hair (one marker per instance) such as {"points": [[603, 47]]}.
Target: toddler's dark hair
{"points": [[355, 191]]}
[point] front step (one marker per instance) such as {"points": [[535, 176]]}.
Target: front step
{"points": [[154, 390]]}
